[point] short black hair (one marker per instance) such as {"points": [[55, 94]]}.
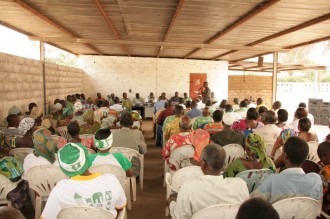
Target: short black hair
{"points": [[31, 105], [257, 208], [11, 119], [178, 110], [282, 115], [270, 117], [302, 104], [300, 113], [262, 109], [228, 108], [243, 103], [126, 119], [188, 104], [217, 115], [102, 134], [73, 128], [181, 100], [99, 103], [296, 149], [323, 149], [305, 124], [252, 114]]}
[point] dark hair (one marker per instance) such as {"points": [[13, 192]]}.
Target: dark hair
{"points": [[277, 104], [73, 128], [31, 105], [126, 120], [300, 113], [102, 134], [11, 119], [223, 104], [282, 115], [208, 103], [296, 149], [243, 103], [236, 100], [324, 149], [193, 104], [262, 109], [257, 208], [181, 100], [302, 104], [217, 115], [252, 114], [305, 124], [116, 100], [188, 104], [260, 100], [106, 103], [99, 103], [228, 108], [214, 156], [178, 110], [270, 117], [56, 101]]}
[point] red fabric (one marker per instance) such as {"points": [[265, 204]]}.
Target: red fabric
{"points": [[162, 116]]}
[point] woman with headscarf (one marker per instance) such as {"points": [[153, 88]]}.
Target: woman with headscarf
{"points": [[90, 126], [78, 113], [44, 151], [68, 114], [26, 128], [257, 158]]}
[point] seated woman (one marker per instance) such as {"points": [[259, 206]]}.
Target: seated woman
{"points": [[304, 126], [257, 158], [67, 114], [90, 126], [37, 115], [73, 130], [26, 128], [282, 138], [103, 142], [44, 151], [323, 151], [78, 113]]}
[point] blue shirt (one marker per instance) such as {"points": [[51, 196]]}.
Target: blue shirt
{"points": [[159, 105], [194, 112], [291, 182]]}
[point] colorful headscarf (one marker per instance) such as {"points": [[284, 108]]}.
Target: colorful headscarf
{"points": [[136, 116], [46, 124], [88, 115], [55, 107], [286, 134], [67, 111], [256, 144], [44, 145], [36, 112], [103, 144], [14, 110], [200, 139], [25, 125]]}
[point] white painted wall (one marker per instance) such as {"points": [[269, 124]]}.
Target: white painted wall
{"points": [[107, 75]]}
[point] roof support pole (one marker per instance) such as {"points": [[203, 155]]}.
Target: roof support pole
{"points": [[43, 69], [274, 76]]}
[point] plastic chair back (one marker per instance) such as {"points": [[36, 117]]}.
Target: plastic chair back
{"points": [[254, 178], [109, 168], [312, 155], [233, 151], [180, 156], [179, 177], [227, 211], [5, 187], [21, 153], [84, 212], [63, 131], [269, 148], [298, 207]]}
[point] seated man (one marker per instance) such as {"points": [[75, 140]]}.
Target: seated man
{"points": [[228, 135], [323, 151], [103, 141], [276, 106], [26, 128], [292, 181], [138, 102], [194, 112], [126, 102], [209, 189], [243, 107], [257, 208], [12, 128], [172, 127], [200, 121], [175, 98], [282, 118], [83, 188], [178, 140], [270, 131], [116, 106], [215, 126]]}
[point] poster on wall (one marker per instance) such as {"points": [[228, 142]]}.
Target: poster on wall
{"points": [[196, 85]]}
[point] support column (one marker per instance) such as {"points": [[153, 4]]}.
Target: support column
{"points": [[43, 67], [274, 76]]}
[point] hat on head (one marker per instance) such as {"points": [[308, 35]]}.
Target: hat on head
{"points": [[55, 107], [44, 145], [73, 159], [103, 144], [77, 107], [14, 110], [228, 118], [36, 112], [286, 134], [136, 116], [25, 125]]}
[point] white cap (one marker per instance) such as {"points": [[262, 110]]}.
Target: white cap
{"points": [[228, 118]]}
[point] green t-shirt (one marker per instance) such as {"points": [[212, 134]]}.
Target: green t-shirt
{"points": [[110, 158]]}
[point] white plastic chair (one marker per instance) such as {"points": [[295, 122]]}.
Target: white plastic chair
{"points": [[129, 154], [227, 211], [5, 187], [180, 156], [298, 207], [121, 176], [312, 155], [166, 170], [84, 212], [233, 151], [254, 177], [63, 131], [21, 153], [42, 179], [174, 182], [269, 148]]}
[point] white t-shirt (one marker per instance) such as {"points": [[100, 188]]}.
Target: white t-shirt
{"points": [[32, 161], [95, 190], [117, 107]]}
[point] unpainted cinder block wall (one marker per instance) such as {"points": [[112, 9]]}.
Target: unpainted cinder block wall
{"points": [[242, 87], [21, 82]]}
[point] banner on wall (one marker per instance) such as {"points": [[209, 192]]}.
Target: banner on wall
{"points": [[196, 85]]}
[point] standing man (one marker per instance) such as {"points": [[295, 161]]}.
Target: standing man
{"points": [[206, 94]]}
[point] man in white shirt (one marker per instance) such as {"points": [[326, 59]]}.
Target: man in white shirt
{"points": [[209, 189], [83, 188], [270, 131]]}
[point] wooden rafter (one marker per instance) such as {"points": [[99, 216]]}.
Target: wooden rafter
{"points": [[176, 13], [53, 23], [308, 42], [284, 32], [252, 13], [110, 24]]}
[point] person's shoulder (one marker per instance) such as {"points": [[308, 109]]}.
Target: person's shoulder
{"points": [[234, 181], [314, 177]]}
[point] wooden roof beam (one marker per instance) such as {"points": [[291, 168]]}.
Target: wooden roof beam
{"points": [[54, 24], [282, 33], [110, 24], [308, 42], [176, 13], [252, 13]]}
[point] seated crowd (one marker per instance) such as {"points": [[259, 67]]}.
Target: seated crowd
{"points": [[267, 139]]}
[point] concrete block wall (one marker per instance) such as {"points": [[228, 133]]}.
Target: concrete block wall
{"points": [[242, 87], [21, 82], [107, 75]]}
